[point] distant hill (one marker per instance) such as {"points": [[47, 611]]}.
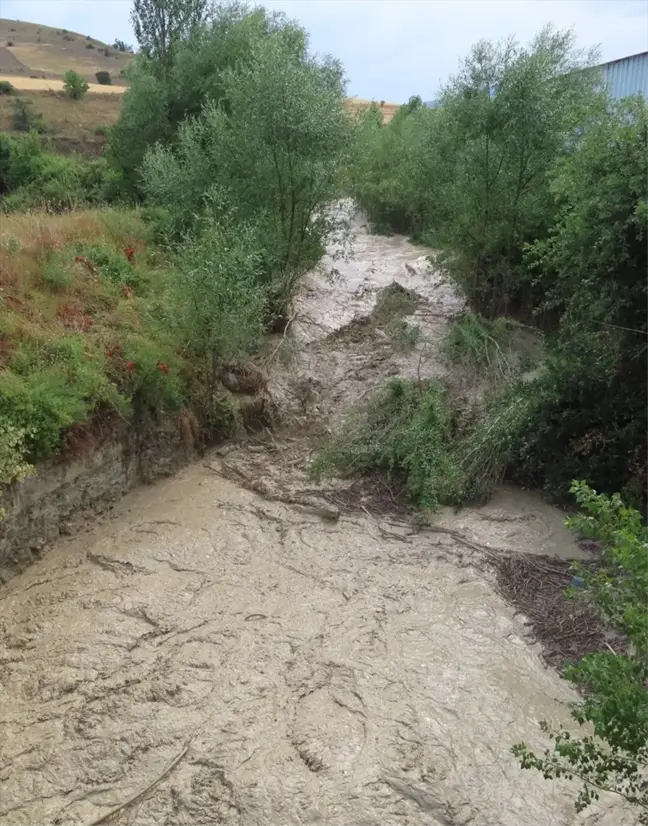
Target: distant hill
{"points": [[33, 51], [34, 59]]}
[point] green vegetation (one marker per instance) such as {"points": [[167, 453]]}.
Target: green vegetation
{"points": [[75, 85], [25, 119], [531, 185], [32, 176], [103, 78], [405, 430], [76, 339], [615, 704], [6, 87], [237, 141]]}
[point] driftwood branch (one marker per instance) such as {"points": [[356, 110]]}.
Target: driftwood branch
{"points": [[141, 794]]}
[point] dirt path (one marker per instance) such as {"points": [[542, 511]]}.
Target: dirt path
{"points": [[246, 661]]}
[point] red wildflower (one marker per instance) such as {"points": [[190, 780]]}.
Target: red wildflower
{"points": [[80, 259], [163, 368], [130, 366], [129, 252]]}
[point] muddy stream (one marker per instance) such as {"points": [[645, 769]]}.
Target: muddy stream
{"points": [[228, 648]]}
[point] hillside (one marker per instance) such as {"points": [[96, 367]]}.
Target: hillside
{"points": [[34, 58], [33, 51]]}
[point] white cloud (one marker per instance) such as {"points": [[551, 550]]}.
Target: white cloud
{"points": [[392, 49]]}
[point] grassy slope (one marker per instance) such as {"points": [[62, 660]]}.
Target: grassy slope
{"points": [[77, 327], [48, 52], [75, 123]]}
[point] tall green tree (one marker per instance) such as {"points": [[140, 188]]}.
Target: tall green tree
{"points": [[507, 115], [274, 149], [590, 268], [156, 104], [160, 25]]}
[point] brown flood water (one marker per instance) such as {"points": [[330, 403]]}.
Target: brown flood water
{"points": [[291, 669]]}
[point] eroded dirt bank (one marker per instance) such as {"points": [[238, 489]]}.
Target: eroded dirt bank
{"points": [[245, 656]]}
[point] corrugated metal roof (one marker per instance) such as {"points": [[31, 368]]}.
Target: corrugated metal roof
{"points": [[627, 76]]}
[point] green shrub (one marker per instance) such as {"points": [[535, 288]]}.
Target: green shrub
{"points": [[591, 418], [481, 346], [49, 388], [75, 85], [275, 157], [214, 295], [153, 375], [25, 120], [33, 176], [103, 78], [405, 431], [112, 264], [13, 466], [55, 270], [6, 88], [615, 706], [90, 45]]}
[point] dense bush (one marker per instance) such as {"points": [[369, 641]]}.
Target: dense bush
{"points": [[615, 706], [24, 119], [592, 398], [472, 176], [46, 390], [6, 88], [32, 175], [103, 78], [215, 296], [405, 431], [75, 85]]}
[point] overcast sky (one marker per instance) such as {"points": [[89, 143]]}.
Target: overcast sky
{"points": [[392, 49]]}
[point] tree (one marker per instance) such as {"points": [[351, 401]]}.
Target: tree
{"points": [[121, 46], [590, 269], [154, 105], [507, 115], [274, 150], [614, 759], [75, 85], [160, 25]]}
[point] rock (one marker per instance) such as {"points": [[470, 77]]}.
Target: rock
{"points": [[328, 512]]}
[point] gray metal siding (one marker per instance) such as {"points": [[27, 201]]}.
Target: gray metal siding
{"points": [[627, 76]]}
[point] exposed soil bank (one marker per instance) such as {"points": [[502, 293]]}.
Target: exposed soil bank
{"points": [[230, 644], [56, 500]]}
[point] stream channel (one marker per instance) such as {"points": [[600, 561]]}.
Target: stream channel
{"points": [[255, 653]]}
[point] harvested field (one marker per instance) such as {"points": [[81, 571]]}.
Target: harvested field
{"points": [[36, 84], [357, 105]]}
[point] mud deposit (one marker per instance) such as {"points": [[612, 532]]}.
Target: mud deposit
{"points": [[229, 648]]}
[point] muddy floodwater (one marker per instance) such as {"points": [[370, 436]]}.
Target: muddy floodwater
{"points": [[227, 648]]}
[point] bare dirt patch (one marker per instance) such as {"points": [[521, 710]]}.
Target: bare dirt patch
{"points": [[9, 62]]}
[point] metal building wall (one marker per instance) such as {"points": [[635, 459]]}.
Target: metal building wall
{"points": [[627, 76]]}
